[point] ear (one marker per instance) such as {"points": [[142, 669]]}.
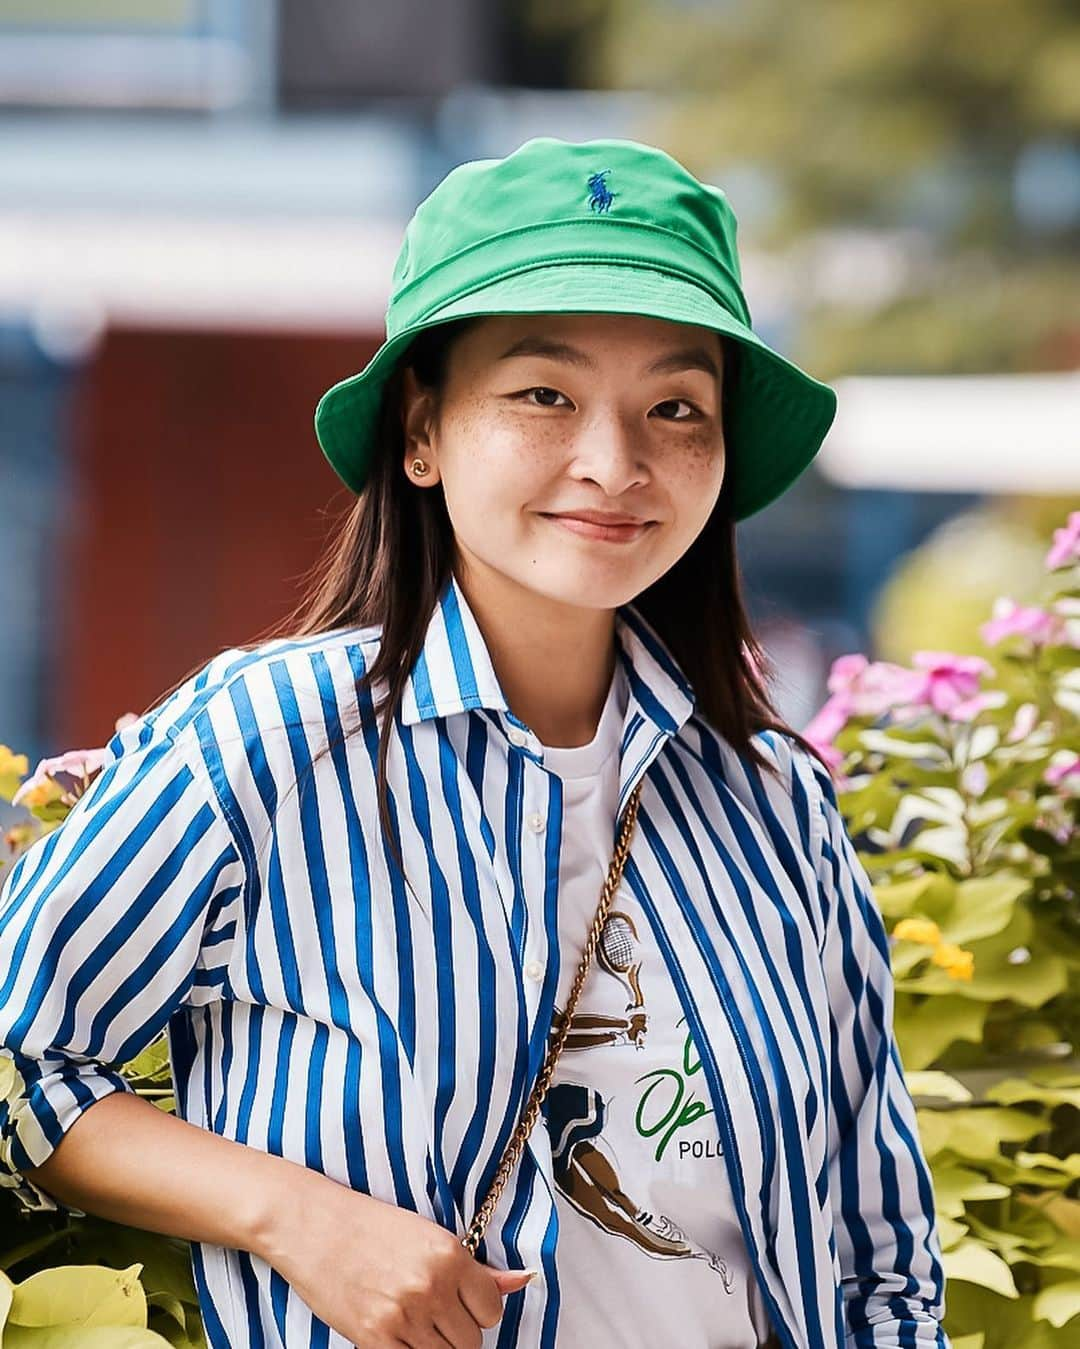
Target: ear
{"points": [[417, 420]]}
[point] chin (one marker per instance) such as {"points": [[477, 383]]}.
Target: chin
{"points": [[582, 590]]}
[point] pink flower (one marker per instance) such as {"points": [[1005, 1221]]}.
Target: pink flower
{"points": [[72, 772], [950, 685], [1024, 722], [1010, 619], [1066, 545], [871, 688], [832, 717], [1068, 767], [821, 730], [845, 670]]}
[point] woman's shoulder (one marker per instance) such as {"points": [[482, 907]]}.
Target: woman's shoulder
{"points": [[780, 752], [782, 784], [246, 692]]}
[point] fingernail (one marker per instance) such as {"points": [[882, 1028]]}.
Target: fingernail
{"points": [[532, 1273]]}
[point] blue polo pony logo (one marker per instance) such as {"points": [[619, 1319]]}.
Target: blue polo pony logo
{"points": [[601, 197]]}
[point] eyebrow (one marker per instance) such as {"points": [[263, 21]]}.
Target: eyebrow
{"points": [[686, 358]]}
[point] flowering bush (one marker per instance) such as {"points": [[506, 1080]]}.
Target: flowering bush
{"points": [[963, 798]]}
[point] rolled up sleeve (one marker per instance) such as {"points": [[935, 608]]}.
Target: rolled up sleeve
{"points": [[892, 1276], [103, 923]]}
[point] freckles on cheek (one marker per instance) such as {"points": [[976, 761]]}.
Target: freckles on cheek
{"points": [[701, 462], [484, 434]]}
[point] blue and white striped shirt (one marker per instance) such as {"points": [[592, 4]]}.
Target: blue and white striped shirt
{"points": [[216, 883]]}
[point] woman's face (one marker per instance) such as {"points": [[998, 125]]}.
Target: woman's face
{"points": [[543, 415]]}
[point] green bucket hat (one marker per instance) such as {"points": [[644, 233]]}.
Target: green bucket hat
{"points": [[602, 226]]}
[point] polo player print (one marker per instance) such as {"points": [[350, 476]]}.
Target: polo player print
{"points": [[598, 1167]]}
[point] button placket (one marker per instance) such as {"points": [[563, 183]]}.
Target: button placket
{"points": [[536, 823]]}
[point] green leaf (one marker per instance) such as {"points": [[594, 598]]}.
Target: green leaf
{"points": [[1016, 1089], [1065, 1166], [85, 1295], [1061, 1254], [1009, 1245], [897, 745], [165, 1260], [955, 1186], [925, 1031], [983, 907], [7, 1293], [931, 895], [170, 1306], [82, 1337], [985, 738], [1015, 1173], [944, 805], [950, 1232], [939, 1085], [906, 955], [1059, 1303], [973, 1262], [975, 1134], [152, 1062], [1032, 984], [946, 843]]}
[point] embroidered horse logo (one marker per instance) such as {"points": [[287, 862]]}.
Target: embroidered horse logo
{"points": [[601, 197]]}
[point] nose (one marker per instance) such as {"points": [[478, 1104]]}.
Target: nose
{"points": [[611, 451]]}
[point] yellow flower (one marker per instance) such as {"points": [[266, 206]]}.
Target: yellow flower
{"points": [[957, 963], [923, 930], [10, 762], [12, 767], [44, 794]]}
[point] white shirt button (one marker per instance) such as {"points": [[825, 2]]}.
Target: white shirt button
{"points": [[516, 736], [534, 970], [536, 822]]}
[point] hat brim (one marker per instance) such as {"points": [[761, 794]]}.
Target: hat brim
{"points": [[778, 414]]}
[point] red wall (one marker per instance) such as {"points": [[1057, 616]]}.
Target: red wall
{"points": [[199, 500]]}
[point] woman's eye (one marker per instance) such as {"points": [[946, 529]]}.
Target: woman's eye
{"points": [[542, 389], [678, 402]]}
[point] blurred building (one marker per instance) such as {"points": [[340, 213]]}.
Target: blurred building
{"points": [[200, 204]]}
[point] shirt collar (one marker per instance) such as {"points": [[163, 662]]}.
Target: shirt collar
{"points": [[454, 670]]}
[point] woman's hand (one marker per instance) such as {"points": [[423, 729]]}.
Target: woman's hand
{"points": [[381, 1275]]}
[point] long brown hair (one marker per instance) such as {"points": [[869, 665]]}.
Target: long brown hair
{"points": [[387, 561]]}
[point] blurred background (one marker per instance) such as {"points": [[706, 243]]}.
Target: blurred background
{"points": [[200, 205]]}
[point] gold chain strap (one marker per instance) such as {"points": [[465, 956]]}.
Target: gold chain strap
{"points": [[513, 1149]]}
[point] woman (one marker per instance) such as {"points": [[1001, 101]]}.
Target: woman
{"points": [[360, 917]]}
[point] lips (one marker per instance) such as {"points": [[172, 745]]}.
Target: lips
{"points": [[600, 517], [596, 525]]}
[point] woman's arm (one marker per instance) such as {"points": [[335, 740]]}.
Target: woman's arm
{"points": [[132, 1163], [883, 1201], [103, 924]]}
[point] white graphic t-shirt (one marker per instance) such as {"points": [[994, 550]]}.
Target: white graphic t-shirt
{"points": [[650, 1251]]}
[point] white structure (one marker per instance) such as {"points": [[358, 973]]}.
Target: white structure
{"points": [[956, 433]]}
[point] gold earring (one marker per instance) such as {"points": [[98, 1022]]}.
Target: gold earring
{"points": [[419, 467]]}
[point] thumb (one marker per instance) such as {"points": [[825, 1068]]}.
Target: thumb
{"points": [[511, 1280]]}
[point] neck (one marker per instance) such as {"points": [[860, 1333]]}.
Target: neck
{"points": [[554, 661]]}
